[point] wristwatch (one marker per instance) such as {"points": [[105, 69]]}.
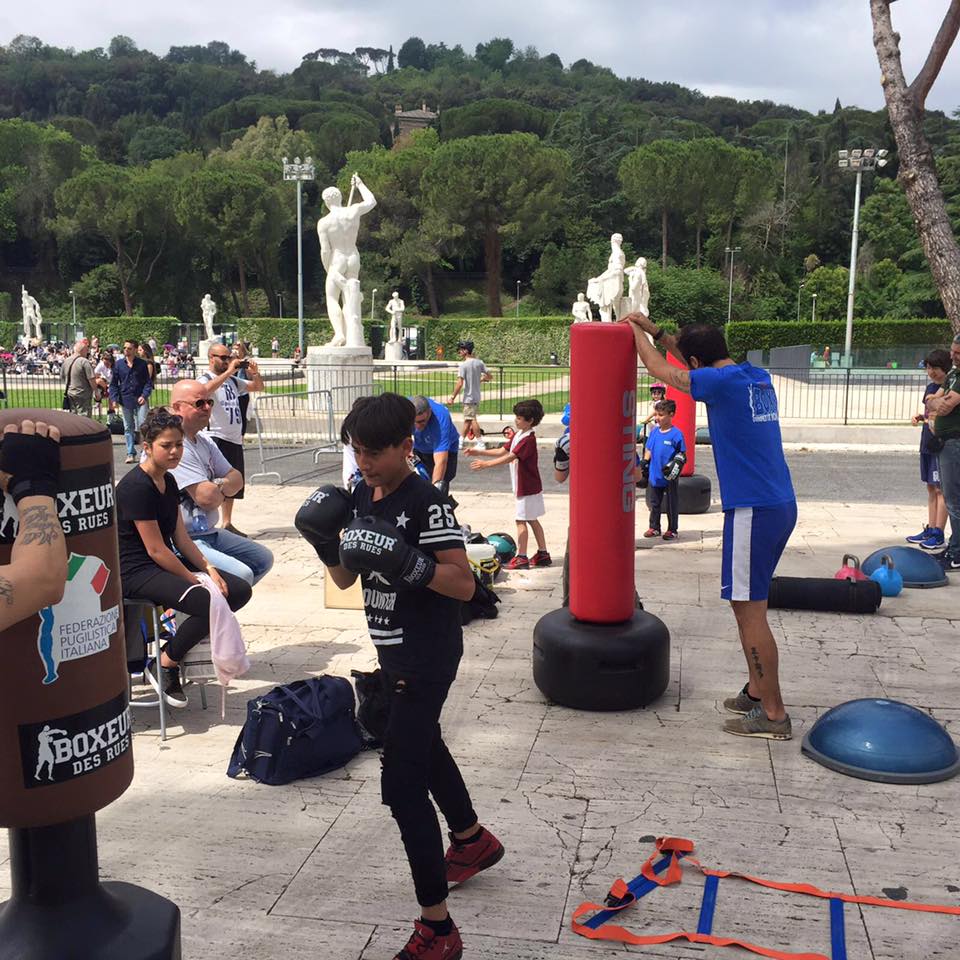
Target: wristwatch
{"points": [[658, 334], [218, 482]]}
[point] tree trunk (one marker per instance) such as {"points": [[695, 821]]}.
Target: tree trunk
{"points": [[663, 232], [918, 174], [699, 236], [244, 297], [431, 291], [492, 260], [124, 284]]}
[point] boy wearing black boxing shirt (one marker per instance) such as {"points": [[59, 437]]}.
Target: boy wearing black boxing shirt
{"points": [[401, 537]]}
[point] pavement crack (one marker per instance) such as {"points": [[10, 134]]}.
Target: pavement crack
{"points": [[773, 773], [853, 886]]}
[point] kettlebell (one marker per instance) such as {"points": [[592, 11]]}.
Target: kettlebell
{"points": [[887, 575], [850, 569]]}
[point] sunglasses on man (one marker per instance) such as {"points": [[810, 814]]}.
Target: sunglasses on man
{"points": [[199, 404]]}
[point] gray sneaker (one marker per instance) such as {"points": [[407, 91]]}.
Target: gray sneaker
{"points": [[757, 724], [741, 703]]}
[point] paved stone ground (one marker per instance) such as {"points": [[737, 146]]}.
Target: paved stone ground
{"points": [[315, 869]]}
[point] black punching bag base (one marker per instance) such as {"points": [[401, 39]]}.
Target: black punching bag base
{"points": [[115, 921], [695, 494], [601, 666]]}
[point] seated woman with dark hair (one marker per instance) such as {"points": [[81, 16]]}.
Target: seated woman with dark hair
{"points": [[158, 560]]}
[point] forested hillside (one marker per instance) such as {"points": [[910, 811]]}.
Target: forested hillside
{"points": [[142, 182]]}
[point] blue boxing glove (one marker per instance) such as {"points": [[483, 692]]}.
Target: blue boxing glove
{"points": [[373, 545]]}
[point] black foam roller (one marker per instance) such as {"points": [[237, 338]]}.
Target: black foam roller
{"points": [[824, 594]]}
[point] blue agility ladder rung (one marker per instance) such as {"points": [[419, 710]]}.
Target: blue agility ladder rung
{"points": [[708, 905], [838, 937], [639, 886]]}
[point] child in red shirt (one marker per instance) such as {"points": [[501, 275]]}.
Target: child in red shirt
{"points": [[521, 454]]}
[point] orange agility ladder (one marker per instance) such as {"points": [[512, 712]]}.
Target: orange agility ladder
{"points": [[675, 849]]}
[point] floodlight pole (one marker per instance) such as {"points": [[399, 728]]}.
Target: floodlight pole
{"points": [[859, 160], [299, 171]]}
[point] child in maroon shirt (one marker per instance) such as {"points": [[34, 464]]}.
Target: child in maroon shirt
{"points": [[521, 454]]}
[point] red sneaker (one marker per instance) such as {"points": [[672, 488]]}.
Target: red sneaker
{"points": [[671, 535], [652, 533], [427, 945], [465, 860], [519, 562], [541, 559]]}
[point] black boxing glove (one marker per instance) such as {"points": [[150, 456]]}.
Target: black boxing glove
{"points": [[673, 467], [321, 518], [33, 463], [644, 473], [443, 486], [376, 546], [561, 453]]}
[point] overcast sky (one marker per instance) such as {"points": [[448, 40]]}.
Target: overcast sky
{"points": [[802, 52]]}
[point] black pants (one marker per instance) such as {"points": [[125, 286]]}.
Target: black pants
{"points": [[416, 766], [449, 473], [670, 493], [167, 590]]}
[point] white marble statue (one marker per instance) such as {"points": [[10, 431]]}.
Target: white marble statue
{"points": [[338, 251], [395, 307], [581, 310], [31, 315], [209, 310], [638, 292], [606, 291]]}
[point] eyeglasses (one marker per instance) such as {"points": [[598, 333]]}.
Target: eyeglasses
{"points": [[199, 404]]}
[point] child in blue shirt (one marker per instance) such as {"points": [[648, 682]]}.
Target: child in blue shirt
{"points": [[663, 445]]}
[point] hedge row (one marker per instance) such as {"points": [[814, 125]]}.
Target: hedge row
{"points": [[744, 335], [118, 329], [497, 340]]}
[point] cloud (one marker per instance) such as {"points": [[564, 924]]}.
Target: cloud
{"points": [[802, 52]]}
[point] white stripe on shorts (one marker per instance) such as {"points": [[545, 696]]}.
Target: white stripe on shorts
{"points": [[740, 559]]}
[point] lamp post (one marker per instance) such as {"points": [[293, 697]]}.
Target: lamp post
{"points": [[299, 171], [813, 309], [732, 251], [518, 299], [858, 160], [373, 300], [280, 304], [802, 285], [73, 297]]}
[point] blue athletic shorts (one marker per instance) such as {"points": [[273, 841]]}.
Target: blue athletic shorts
{"points": [[930, 468], [753, 541]]}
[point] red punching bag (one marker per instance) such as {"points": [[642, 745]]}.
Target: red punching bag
{"points": [[685, 419], [603, 413]]}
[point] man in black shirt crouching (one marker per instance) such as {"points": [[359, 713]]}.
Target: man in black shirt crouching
{"points": [[401, 537]]}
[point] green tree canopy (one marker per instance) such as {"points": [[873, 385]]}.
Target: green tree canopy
{"points": [[501, 190]]}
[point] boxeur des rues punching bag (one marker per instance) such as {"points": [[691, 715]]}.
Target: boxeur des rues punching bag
{"points": [[602, 653], [65, 739]]}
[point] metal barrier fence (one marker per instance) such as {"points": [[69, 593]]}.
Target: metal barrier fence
{"points": [[292, 431], [823, 395]]}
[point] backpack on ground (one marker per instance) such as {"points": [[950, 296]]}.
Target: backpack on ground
{"points": [[301, 729]]}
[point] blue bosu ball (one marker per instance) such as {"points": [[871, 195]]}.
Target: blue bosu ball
{"points": [[882, 740], [917, 568]]}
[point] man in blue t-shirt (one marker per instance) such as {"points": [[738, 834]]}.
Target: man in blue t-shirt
{"points": [[436, 441], [759, 505]]}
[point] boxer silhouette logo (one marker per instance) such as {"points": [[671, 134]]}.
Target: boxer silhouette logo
{"points": [[763, 402], [77, 626], [54, 751]]}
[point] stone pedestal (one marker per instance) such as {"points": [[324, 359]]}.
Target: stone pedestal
{"points": [[204, 347], [347, 372], [393, 351]]}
